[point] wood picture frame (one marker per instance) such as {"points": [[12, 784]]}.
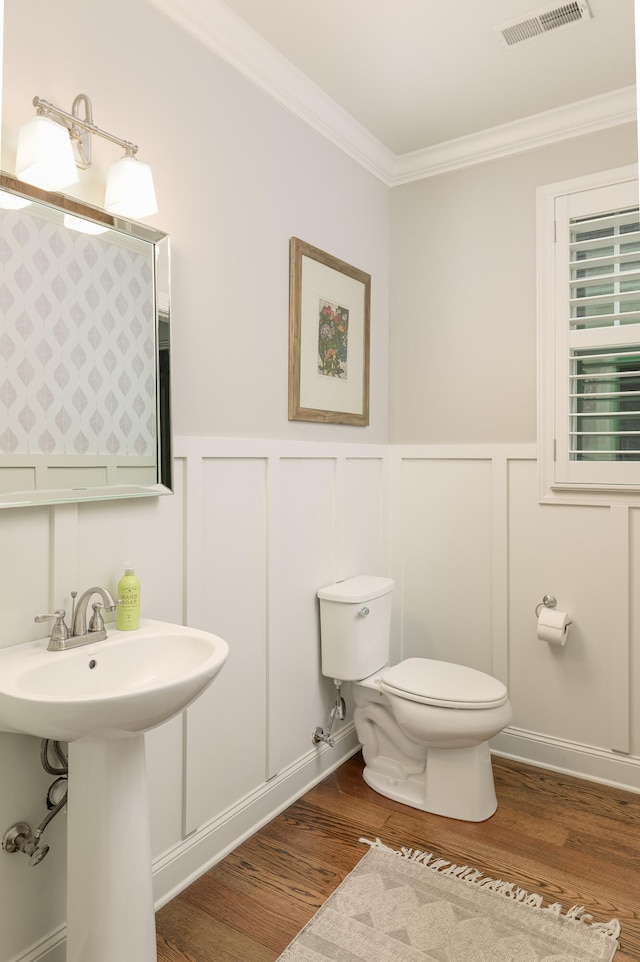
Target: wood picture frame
{"points": [[329, 331]]}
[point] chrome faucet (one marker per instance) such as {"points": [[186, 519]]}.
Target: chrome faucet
{"points": [[63, 638], [79, 624]]}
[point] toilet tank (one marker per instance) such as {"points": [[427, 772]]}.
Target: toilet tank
{"points": [[355, 625]]}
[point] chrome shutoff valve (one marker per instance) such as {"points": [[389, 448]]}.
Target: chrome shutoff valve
{"points": [[338, 711], [19, 838]]}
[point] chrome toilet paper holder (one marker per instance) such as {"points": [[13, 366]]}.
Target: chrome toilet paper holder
{"points": [[548, 601]]}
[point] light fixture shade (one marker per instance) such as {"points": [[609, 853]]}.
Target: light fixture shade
{"points": [[44, 155], [130, 190]]}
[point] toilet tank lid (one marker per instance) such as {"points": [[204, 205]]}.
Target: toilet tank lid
{"points": [[358, 589], [444, 684]]}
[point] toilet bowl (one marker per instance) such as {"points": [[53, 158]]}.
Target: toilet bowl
{"points": [[424, 725], [428, 746]]}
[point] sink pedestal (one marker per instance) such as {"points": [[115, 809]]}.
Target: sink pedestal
{"points": [[100, 698], [110, 907]]}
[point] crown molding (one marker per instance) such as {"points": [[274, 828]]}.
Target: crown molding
{"points": [[529, 133], [223, 32], [213, 24]]}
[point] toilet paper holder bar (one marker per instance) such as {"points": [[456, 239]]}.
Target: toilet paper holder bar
{"points": [[548, 601]]}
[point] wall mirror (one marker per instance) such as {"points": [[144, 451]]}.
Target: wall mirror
{"points": [[84, 352]]}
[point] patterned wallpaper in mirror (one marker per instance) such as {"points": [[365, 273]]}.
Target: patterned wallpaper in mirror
{"points": [[77, 340]]}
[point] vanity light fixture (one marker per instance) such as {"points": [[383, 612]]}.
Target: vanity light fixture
{"points": [[130, 187], [45, 157]]}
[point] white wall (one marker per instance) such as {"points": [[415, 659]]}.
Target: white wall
{"points": [[236, 176], [463, 292]]}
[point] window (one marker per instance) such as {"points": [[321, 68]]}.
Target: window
{"points": [[589, 337]]}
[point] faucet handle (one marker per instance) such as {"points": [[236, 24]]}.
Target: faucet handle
{"points": [[96, 622], [59, 632]]}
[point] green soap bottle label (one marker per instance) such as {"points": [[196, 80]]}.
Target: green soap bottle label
{"points": [[128, 614]]}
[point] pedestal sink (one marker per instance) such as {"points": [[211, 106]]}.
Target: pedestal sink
{"points": [[101, 698]]}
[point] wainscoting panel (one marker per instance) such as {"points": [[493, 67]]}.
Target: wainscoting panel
{"points": [[267, 524], [446, 564], [227, 723], [473, 553], [563, 550], [26, 538], [328, 526], [617, 628], [302, 546], [362, 522], [148, 532], [254, 529], [634, 629]]}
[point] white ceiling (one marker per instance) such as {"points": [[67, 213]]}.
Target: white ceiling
{"points": [[419, 72], [406, 86]]}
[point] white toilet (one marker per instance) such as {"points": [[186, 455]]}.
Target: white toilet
{"points": [[424, 725]]}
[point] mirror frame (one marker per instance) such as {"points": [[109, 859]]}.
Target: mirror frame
{"points": [[159, 244]]}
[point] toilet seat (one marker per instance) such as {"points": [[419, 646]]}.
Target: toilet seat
{"points": [[443, 684]]}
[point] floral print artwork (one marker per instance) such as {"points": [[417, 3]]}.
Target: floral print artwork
{"points": [[333, 332]]}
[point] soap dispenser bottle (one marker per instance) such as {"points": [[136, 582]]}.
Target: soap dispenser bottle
{"points": [[128, 614]]}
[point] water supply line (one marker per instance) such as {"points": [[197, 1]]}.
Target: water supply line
{"points": [[62, 758], [19, 837], [339, 711]]}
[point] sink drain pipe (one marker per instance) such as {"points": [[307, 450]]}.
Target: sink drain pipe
{"points": [[19, 837]]}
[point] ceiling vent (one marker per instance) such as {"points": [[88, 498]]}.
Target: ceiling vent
{"points": [[543, 21]]}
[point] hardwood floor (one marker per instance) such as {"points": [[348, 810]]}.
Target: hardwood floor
{"points": [[572, 841]]}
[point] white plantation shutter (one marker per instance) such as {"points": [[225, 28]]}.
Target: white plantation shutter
{"points": [[604, 337], [590, 338]]}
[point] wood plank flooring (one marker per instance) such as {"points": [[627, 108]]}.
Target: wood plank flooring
{"points": [[572, 841]]}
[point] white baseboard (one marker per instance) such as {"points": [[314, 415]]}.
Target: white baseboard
{"points": [[51, 949], [177, 868], [570, 758]]}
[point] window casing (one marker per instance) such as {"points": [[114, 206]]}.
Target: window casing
{"points": [[589, 338]]}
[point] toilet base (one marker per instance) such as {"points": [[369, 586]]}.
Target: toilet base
{"points": [[457, 783]]}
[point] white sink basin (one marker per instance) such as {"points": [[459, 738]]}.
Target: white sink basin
{"points": [[127, 683]]}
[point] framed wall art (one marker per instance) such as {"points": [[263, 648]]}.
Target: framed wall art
{"points": [[329, 308]]}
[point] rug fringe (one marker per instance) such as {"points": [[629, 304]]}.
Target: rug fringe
{"points": [[577, 913]]}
